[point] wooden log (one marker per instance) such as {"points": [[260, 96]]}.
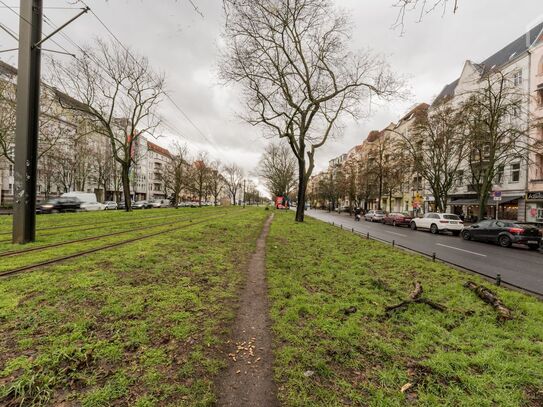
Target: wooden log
{"points": [[491, 298], [415, 298]]}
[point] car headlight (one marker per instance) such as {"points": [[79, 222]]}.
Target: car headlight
{"points": [[47, 206]]}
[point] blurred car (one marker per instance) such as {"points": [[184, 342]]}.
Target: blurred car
{"points": [[156, 204], [142, 205], [121, 205], [92, 206], [438, 222], [109, 205], [56, 205], [397, 219], [504, 233], [340, 209], [374, 215]]}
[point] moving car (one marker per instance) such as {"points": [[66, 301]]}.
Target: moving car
{"points": [[397, 219], [374, 216], [82, 196], [110, 205], [504, 232], [142, 205], [92, 206], [341, 209], [62, 204], [438, 222]]}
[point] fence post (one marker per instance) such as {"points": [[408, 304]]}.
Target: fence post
{"points": [[393, 243], [341, 226], [434, 256], [498, 279], [368, 236]]}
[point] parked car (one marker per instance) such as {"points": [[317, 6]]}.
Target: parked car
{"points": [[504, 232], [156, 204], [121, 205], [374, 215], [142, 205], [397, 219], [438, 222], [109, 205], [62, 204], [92, 206]]}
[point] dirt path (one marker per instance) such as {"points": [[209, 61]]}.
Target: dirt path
{"points": [[248, 380]]}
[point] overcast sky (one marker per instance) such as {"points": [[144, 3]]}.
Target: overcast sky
{"points": [[184, 45]]}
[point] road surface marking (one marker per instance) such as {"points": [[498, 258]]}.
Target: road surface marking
{"points": [[462, 250], [394, 233]]}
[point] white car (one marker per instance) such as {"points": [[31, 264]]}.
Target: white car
{"points": [[156, 204], [92, 206], [110, 205], [439, 222], [374, 216]]}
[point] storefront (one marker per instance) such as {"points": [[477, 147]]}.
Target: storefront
{"points": [[534, 207], [508, 207]]}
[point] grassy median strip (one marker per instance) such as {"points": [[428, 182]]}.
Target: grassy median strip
{"points": [[138, 325], [336, 345]]}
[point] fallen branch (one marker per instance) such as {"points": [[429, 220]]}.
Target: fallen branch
{"points": [[489, 297], [416, 298]]}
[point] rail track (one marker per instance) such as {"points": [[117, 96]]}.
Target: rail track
{"points": [[96, 225], [90, 238], [101, 248]]}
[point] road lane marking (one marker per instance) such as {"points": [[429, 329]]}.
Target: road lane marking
{"points": [[462, 250], [394, 233]]}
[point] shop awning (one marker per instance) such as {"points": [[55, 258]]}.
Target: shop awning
{"points": [[490, 201]]}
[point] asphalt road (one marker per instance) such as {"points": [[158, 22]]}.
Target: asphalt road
{"points": [[517, 265]]}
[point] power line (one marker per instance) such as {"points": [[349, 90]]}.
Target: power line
{"points": [[185, 115]]}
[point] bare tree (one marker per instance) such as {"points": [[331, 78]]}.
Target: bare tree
{"points": [[176, 172], [216, 181], [437, 148], [498, 134], [277, 168], [119, 93], [422, 8], [199, 178], [234, 177], [297, 74]]}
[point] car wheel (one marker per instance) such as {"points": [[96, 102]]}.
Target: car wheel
{"points": [[504, 241], [394, 223], [533, 246], [466, 235], [54, 211], [413, 226], [433, 229]]}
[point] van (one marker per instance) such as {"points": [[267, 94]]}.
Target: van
{"points": [[84, 197]]}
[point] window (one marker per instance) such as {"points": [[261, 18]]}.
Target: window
{"points": [[499, 174], [515, 172], [459, 178], [539, 166], [540, 67], [517, 77], [539, 95], [11, 170]]}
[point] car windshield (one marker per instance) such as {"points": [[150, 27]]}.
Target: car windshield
{"points": [[451, 217], [379, 212], [404, 214]]}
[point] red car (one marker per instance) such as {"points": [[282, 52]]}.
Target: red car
{"points": [[397, 219]]}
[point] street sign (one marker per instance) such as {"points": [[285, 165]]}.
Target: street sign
{"points": [[497, 195], [497, 198]]}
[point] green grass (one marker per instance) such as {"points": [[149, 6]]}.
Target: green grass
{"points": [[460, 357], [142, 324]]}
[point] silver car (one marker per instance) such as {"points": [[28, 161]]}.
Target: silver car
{"points": [[374, 216]]}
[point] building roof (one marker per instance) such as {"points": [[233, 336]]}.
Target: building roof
{"points": [[158, 149], [511, 51], [7, 69]]}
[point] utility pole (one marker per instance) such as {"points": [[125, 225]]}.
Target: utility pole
{"points": [[27, 116]]}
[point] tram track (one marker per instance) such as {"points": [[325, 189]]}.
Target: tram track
{"points": [[21, 269], [96, 225], [87, 239]]}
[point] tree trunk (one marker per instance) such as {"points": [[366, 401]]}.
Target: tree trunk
{"points": [[302, 186], [126, 188]]}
